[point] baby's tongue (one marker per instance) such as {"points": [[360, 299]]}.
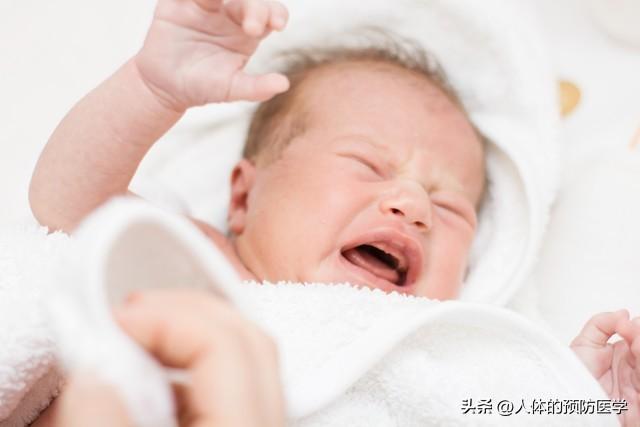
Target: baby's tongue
{"points": [[372, 264]]}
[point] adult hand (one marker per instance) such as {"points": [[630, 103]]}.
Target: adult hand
{"points": [[231, 363]]}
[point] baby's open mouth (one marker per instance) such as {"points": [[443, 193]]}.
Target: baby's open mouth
{"points": [[381, 260]]}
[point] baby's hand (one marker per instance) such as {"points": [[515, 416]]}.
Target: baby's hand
{"points": [[195, 51], [616, 366]]}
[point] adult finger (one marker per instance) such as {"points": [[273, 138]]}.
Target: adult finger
{"points": [[194, 330], [86, 401], [599, 329], [263, 351], [174, 325]]}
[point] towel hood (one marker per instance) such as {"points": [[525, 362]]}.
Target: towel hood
{"points": [[497, 64]]}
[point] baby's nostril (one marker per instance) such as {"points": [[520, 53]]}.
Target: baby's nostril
{"points": [[421, 225], [397, 212]]}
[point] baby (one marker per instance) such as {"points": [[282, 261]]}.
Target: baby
{"points": [[361, 165]]}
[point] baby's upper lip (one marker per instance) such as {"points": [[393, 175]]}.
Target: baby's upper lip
{"points": [[405, 249]]}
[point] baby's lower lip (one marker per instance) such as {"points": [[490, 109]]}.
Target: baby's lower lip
{"points": [[372, 265], [369, 279]]}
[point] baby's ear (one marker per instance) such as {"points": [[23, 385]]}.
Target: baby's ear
{"points": [[242, 180]]}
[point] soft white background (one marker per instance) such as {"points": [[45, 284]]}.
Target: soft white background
{"points": [[52, 53]]}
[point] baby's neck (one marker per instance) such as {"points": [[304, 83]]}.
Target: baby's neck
{"points": [[226, 246]]}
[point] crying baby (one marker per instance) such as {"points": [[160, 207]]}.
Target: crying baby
{"points": [[366, 155]]}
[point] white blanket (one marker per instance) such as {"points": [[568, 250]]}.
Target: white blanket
{"points": [[494, 60], [28, 374], [349, 356]]}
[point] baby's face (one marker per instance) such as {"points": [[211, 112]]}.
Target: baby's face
{"points": [[380, 189]]}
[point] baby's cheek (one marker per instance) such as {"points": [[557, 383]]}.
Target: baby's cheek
{"points": [[335, 195], [455, 222], [451, 243]]}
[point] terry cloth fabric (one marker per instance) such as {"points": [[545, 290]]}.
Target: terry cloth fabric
{"points": [[495, 61], [29, 377], [348, 356]]}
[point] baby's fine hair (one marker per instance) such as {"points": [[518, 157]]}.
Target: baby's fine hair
{"points": [[277, 121]]}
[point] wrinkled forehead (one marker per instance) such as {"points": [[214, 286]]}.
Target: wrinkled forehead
{"points": [[396, 109], [398, 105]]}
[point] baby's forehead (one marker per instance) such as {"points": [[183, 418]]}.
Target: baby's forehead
{"points": [[410, 115], [348, 71], [327, 85]]}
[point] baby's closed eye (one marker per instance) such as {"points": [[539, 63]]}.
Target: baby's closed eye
{"points": [[454, 204], [366, 163]]}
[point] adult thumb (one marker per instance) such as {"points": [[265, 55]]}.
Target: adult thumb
{"points": [[87, 401]]}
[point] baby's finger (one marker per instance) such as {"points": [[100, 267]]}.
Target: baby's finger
{"points": [[628, 329], [599, 329], [235, 11], [634, 354], [209, 5], [257, 88], [251, 15], [278, 15], [256, 18]]}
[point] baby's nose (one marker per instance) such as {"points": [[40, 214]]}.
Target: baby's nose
{"points": [[411, 203]]}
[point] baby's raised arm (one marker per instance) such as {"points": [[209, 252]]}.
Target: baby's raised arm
{"points": [[194, 54]]}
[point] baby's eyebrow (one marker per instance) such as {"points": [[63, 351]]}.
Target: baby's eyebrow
{"points": [[440, 179], [436, 178], [376, 144], [446, 180], [359, 137]]}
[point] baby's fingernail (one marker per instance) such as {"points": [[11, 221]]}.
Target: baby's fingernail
{"points": [[278, 22]]}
